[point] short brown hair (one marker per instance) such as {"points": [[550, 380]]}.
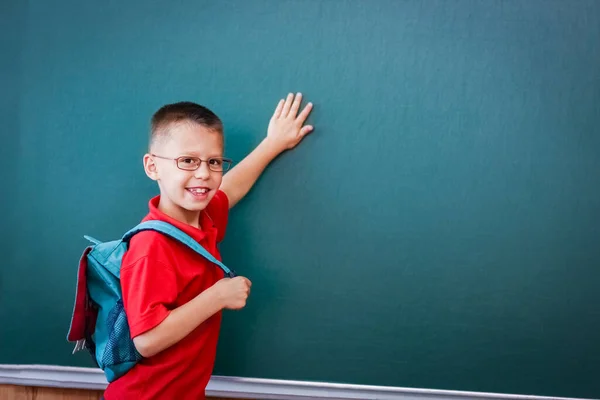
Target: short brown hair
{"points": [[183, 111]]}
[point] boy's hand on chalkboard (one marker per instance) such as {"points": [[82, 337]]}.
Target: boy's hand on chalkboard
{"points": [[286, 128], [233, 292]]}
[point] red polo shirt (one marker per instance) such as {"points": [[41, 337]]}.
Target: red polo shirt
{"points": [[159, 274]]}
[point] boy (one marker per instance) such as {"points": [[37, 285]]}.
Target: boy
{"points": [[173, 297]]}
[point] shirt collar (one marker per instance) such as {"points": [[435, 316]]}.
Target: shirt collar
{"points": [[197, 234]]}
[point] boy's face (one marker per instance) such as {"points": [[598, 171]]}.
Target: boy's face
{"points": [[185, 191]]}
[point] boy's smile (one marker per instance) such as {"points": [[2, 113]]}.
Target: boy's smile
{"points": [[199, 192]]}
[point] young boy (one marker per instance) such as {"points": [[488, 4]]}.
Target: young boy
{"points": [[173, 297]]}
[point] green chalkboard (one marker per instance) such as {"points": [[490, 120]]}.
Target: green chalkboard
{"points": [[439, 229]]}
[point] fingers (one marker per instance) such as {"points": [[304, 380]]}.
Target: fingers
{"points": [[304, 114], [288, 105], [278, 109], [245, 281], [235, 292], [305, 130], [296, 105]]}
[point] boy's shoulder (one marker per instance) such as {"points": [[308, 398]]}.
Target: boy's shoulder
{"points": [[218, 211], [153, 246]]}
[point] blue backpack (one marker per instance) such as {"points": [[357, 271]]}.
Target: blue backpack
{"points": [[99, 323]]}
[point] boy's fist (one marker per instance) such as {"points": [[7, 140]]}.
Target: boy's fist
{"points": [[286, 128], [233, 292]]}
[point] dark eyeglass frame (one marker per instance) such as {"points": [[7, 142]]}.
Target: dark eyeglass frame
{"points": [[225, 162]]}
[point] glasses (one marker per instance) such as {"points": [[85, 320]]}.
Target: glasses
{"points": [[189, 163]]}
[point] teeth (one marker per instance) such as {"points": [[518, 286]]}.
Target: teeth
{"points": [[198, 191]]}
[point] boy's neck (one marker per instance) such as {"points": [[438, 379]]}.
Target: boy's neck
{"points": [[191, 218]]}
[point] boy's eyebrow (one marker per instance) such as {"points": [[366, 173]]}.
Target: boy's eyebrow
{"points": [[196, 154]]}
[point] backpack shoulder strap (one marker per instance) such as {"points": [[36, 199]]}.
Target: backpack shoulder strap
{"points": [[177, 234]]}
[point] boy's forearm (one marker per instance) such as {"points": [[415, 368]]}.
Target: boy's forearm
{"points": [[238, 182], [178, 324]]}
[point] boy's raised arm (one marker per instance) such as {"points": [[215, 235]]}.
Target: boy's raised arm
{"points": [[286, 130]]}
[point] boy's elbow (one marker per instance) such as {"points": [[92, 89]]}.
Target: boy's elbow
{"points": [[145, 346]]}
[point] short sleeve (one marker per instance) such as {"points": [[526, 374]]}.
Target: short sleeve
{"points": [[218, 211], [149, 288]]}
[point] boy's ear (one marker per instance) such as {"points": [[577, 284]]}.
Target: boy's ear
{"points": [[150, 167]]}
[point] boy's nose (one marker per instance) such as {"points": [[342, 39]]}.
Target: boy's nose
{"points": [[203, 172]]}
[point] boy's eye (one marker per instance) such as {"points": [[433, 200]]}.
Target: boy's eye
{"points": [[215, 161], [188, 163]]}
